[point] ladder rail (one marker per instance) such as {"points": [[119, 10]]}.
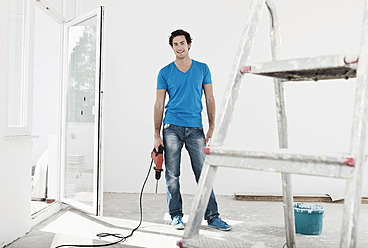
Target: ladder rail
{"points": [[279, 86], [358, 145], [275, 37], [200, 201]]}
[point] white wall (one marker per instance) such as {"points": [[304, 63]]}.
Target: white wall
{"points": [[136, 47], [15, 157]]}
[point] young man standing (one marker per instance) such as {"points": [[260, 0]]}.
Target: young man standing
{"points": [[184, 80]]}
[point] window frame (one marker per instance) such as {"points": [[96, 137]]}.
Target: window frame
{"points": [[24, 127]]}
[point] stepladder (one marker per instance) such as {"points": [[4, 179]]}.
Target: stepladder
{"points": [[349, 166]]}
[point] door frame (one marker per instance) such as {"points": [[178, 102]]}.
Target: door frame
{"points": [[55, 206], [96, 209]]}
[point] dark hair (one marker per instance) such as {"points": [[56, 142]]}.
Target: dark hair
{"points": [[178, 33]]}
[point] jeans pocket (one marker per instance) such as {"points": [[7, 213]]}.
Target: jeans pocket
{"points": [[166, 126]]}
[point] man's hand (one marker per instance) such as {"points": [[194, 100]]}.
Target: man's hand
{"points": [[157, 142], [209, 135]]}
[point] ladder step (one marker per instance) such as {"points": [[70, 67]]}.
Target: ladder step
{"points": [[307, 69], [331, 165], [207, 242]]}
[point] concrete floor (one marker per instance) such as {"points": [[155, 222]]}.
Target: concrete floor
{"points": [[258, 224]]}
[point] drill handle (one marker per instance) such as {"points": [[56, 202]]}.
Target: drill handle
{"points": [[158, 158], [160, 150]]}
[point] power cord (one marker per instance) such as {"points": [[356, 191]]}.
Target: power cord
{"points": [[116, 235]]}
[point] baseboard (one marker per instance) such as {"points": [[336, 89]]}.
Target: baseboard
{"points": [[296, 198]]}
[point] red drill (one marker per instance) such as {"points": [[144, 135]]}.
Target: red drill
{"points": [[158, 159]]}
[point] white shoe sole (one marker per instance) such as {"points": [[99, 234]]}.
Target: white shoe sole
{"points": [[178, 227]]}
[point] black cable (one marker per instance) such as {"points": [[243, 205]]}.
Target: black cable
{"points": [[116, 235]]}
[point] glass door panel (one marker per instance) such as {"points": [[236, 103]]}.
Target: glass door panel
{"points": [[82, 113]]}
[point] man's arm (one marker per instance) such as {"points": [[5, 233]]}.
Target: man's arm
{"points": [[211, 109], [158, 115]]}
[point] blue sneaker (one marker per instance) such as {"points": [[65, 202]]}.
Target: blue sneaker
{"points": [[177, 223], [220, 224]]}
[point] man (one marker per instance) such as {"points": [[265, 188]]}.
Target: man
{"points": [[184, 80]]}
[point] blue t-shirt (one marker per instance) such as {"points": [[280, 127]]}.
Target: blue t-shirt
{"points": [[185, 93]]}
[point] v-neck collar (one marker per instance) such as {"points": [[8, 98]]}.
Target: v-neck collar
{"points": [[181, 70]]}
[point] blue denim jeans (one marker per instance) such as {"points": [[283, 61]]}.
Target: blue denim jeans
{"points": [[193, 138]]}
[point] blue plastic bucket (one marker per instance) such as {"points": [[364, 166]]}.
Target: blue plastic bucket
{"points": [[308, 218]]}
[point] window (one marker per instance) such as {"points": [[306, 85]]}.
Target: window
{"points": [[17, 92]]}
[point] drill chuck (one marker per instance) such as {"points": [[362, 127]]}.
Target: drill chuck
{"points": [[158, 173]]}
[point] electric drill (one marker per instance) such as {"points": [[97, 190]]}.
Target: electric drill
{"points": [[158, 159]]}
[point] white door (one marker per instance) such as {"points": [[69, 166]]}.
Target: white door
{"points": [[81, 135]]}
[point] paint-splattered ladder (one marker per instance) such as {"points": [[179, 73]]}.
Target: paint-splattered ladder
{"points": [[349, 166]]}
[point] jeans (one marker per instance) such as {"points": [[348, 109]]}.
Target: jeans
{"points": [[174, 138]]}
